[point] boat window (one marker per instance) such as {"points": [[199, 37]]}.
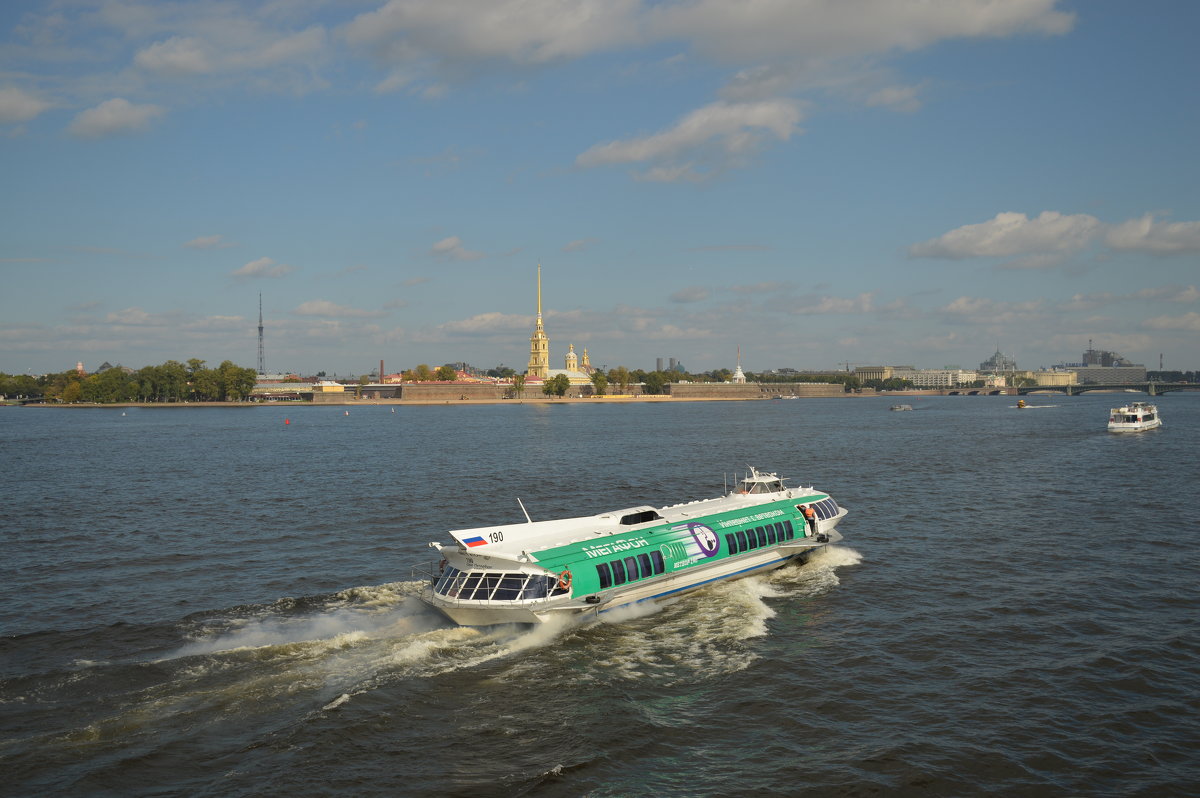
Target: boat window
{"points": [[789, 529], [640, 518], [657, 558], [618, 570], [444, 581], [761, 535], [605, 575], [771, 533], [644, 562], [631, 566], [741, 537], [731, 543], [487, 585], [537, 587], [510, 587], [469, 584]]}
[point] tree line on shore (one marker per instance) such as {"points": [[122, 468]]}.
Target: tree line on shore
{"points": [[170, 382]]}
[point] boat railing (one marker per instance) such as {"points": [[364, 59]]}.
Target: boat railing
{"points": [[425, 572]]}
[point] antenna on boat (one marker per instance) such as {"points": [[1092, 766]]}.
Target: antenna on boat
{"points": [[527, 518]]}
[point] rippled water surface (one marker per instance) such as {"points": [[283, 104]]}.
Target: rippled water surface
{"points": [[209, 601]]}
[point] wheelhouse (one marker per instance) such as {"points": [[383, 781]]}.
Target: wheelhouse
{"points": [[495, 586]]}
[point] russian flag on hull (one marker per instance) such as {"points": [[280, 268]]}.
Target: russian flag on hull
{"points": [[475, 541]]}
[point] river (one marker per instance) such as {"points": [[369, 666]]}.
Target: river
{"points": [[219, 601]]}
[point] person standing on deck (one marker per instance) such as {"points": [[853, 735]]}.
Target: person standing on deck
{"points": [[810, 515]]}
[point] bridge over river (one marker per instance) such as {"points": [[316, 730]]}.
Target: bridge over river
{"points": [[1151, 388]]}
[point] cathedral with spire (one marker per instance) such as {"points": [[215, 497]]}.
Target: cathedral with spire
{"points": [[578, 371]]}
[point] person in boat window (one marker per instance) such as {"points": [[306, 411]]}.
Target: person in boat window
{"points": [[810, 515]]}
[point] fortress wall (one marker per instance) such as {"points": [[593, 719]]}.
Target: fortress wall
{"points": [[453, 391], [752, 390]]}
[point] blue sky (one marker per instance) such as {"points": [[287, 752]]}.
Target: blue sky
{"points": [[817, 182]]}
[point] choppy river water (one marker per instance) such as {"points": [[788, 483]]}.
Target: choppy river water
{"points": [[209, 601]]}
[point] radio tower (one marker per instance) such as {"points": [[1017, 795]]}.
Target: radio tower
{"points": [[262, 369]]}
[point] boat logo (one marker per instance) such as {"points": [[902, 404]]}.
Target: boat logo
{"points": [[705, 538]]}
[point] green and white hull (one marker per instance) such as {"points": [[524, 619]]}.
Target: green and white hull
{"points": [[532, 572]]}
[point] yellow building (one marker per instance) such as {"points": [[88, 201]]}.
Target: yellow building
{"points": [[1056, 378], [328, 387]]}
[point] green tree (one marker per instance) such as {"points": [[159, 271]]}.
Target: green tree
{"points": [[238, 383], [561, 383], [174, 381], [207, 385], [71, 392], [446, 374], [599, 383], [621, 377], [518, 384], [654, 382]]}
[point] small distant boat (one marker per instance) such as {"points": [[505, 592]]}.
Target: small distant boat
{"points": [[1134, 417], [1021, 404], [901, 407]]}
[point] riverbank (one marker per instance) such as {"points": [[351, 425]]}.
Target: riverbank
{"points": [[594, 400]]}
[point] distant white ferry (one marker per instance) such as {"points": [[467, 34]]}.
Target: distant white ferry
{"points": [[1134, 417]]}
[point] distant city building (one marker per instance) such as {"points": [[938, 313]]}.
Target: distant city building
{"points": [[1055, 378], [1100, 367], [941, 378], [998, 364]]}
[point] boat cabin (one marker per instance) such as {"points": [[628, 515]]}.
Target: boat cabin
{"points": [[760, 483]]}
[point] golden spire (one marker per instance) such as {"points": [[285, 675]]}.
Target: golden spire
{"points": [[539, 344]]}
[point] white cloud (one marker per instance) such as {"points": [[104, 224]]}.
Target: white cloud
{"points": [[487, 324], [178, 55], [827, 29], [897, 98], [1013, 234], [758, 288], [19, 106], [1171, 293], [114, 117], [976, 310], [722, 133], [214, 43], [465, 35], [263, 267], [1156, 238], [134, 317], [578, 244], [1188, 321], [322, 307], [452, 249], [693, 293], [863, 303], [208, 242]]}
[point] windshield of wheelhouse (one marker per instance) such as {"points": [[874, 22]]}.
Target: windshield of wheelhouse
{"points": [[760, 487], [495, 585]]}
